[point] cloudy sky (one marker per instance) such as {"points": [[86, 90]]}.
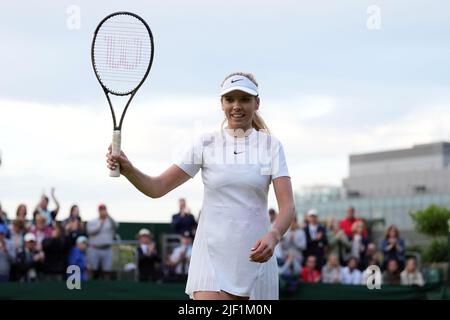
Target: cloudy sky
{"points": [[336, 77]]}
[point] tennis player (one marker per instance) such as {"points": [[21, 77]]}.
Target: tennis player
{"points": [[232, 256]]}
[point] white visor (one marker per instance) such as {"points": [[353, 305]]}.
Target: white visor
{"points": [[240, 83]]}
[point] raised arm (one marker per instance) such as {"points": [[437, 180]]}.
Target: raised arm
{"points": [[154, 187]]}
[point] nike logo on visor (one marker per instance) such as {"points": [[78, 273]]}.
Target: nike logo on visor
{"points": [[233, 81]]}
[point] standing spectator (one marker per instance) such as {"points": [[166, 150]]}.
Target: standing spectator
{"points": [[29, 261], [55, 253], [73, 229], [310, 274], [41, 230], [350, 274], [77, 256], [391, 275], [331, 272], [338, 242], [180, 258], [411, 276], [7, 254], [21, 212], [347, 223], [74, 214], [17, 233], [101, 233], [183, 220], [316, 238], [359, 241], [393, 247], [148, 259], [42, 208]]}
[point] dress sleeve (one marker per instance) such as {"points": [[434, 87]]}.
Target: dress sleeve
{"points": [[278, 166], [191, 159]]}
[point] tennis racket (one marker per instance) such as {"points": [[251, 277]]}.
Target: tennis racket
{"points": [[122, 55]]}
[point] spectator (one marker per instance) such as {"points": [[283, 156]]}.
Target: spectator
{"points": [[42, 208], [17, 233], [181, 256], [393, 247], [55, 252], [359, 242], [29, 261], [3, 216], [21, 212], [347, 223], [331, 272], [272, 215], [74, 228], [41, 230], [338, 243], [370, 257], [294, 240], [391, 275], [148, 259], [101, 233], [310, 274], [411, 276], [316, 238], [7, 254], [74, 214], [77, 256], [289, 268], [350, 274], [183, 220]]}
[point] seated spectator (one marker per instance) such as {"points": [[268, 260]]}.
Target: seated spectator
{"points": [[391, 275], [178, 261], [351, 274], [310, 274], [338, 242], [41, 230], [148, 259], [359, 241], [290, 267], [77, 256], [18, 231], [331, 272], [183, 220], [55, 251], [347, 223], [294, 241], [393, 247], [316, 238], [7, 254], [29, 261], [411, 276]]}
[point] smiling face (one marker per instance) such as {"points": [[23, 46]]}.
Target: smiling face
{"points": [[239, 108]]}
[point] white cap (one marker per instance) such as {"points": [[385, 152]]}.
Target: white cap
{"points": [[241, 83], [82, 239], [312, 212], [30, 237], [144, 232]]}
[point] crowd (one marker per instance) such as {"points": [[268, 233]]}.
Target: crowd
{"points": [[41, 248], [342, 252]]}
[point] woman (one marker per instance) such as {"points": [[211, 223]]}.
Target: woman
{"points": [[393, 247], [331, 272], [232, 255]]}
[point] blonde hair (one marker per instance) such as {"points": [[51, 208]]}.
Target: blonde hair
{"points": [[258, 122]]}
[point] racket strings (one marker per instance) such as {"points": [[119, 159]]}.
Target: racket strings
{"points": [[122, 53]]}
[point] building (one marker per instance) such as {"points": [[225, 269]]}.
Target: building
{"points": [[387, 184]]}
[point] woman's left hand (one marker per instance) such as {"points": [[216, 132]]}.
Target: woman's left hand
{"points": [[263, 249]]}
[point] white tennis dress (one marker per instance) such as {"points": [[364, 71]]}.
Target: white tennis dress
{"points": [[236, 175]]}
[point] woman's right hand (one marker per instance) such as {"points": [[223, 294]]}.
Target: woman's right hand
{"points": [[125, 165]]}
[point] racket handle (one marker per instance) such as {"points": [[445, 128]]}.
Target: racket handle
{"points": [[116, 140]]}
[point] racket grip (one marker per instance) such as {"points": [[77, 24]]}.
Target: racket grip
{"points": [[116, 141]]}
